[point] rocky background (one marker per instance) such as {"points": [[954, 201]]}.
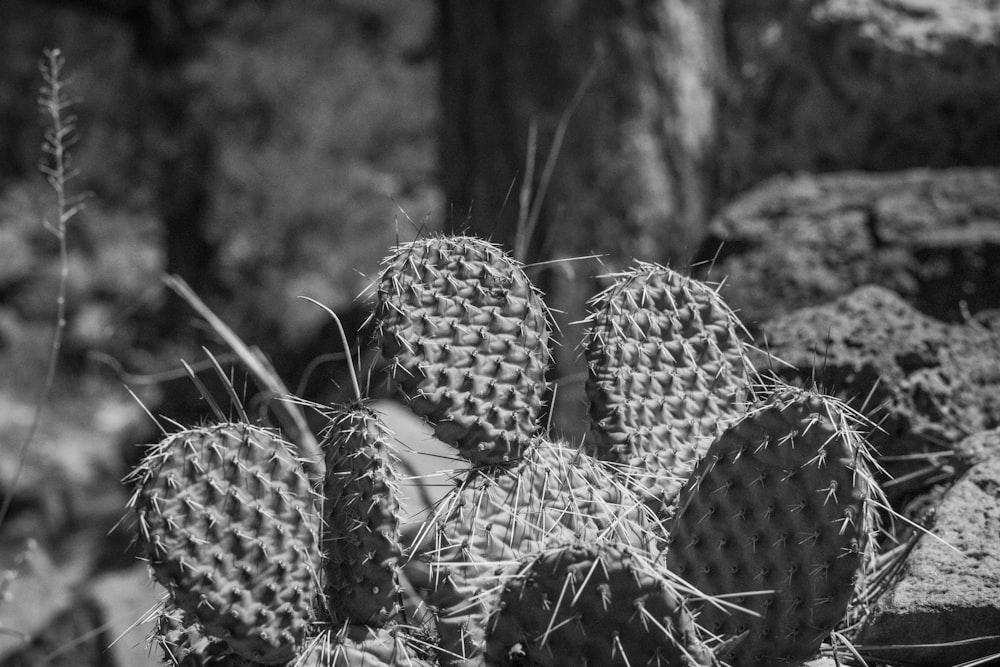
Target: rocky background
{"points": [[848, 198]]}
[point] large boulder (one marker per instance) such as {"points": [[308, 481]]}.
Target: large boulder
{"points": [[829, 85], [945, 609], [931, 236], [928, 384]]}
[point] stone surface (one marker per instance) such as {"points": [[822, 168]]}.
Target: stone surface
{"points": [[945, 596], [929, 384], [932, 236], [828, 85]]}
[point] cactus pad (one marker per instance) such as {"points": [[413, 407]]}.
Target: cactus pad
{"points": [[668, 369], [778, 516], [468, 336], [554, 494], [228, 521], [361, 535], [593, 605]]}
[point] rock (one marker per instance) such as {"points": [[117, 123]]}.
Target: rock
{"points": [[928, 384], [932, 236], [945, 596], [879, 85]]}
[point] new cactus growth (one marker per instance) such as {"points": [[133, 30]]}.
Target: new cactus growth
{"points": [[544, 553], [668, 370], [779, 512], [229, 523], [468, 338], [594, 605], [361, 532]]}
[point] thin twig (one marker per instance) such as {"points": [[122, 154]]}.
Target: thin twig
{"points": [[58, 138]]}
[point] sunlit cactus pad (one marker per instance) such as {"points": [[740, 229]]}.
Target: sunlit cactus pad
{"points": [[228, 521], [467, 334], [668, 370], [778, 517], [593, 605]]}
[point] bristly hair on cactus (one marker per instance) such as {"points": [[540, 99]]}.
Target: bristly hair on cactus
{"points": [[468, 335], [668, 370]]}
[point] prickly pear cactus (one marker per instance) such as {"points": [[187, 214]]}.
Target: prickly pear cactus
{"points": [[467, 335], [361, 532], [229, 524], [780, 513], [544, 553], [594, 604], [668, 370]]}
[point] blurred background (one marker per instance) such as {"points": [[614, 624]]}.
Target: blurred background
{"points": [[266, 150]]}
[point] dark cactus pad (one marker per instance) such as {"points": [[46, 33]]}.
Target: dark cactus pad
{"points": [[778, 516]]}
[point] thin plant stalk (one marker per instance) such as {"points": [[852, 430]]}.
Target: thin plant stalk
{"points": [[59, 136]]}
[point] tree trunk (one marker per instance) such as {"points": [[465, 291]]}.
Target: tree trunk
{"points": [[634, 171]]}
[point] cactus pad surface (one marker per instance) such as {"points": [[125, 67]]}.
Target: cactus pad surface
{"points": [[228, 521], [778, 517], [668, 369], [468, 336]]}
